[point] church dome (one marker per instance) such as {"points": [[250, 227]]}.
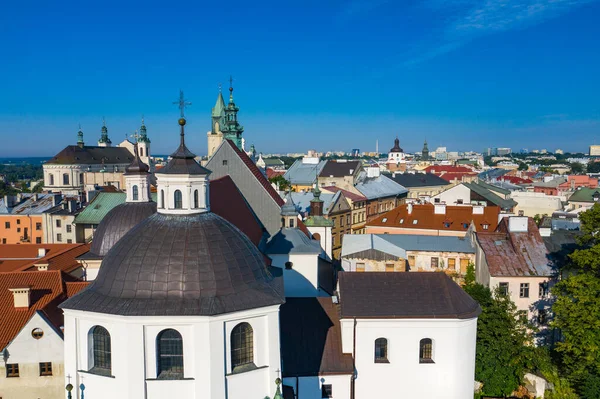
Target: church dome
{"points": [[196, 264], [117, 223]]}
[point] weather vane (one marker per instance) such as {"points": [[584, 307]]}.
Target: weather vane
{"points": [[182, 103]]}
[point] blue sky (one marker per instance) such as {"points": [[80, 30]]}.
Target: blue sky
{"points": [[326, 74]]}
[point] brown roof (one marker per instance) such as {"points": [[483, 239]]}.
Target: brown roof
{"points": [[311, 341], [423, 214], [515, 254], [408, 295], [73, 154], [19, 257], [227, 202], [339, 169], [348, 194], [48, 290]]}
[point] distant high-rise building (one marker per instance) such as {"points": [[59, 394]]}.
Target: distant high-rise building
{"points": [[503, 151], [559, 151], [355, 152], [595, 150], [524, 151]]}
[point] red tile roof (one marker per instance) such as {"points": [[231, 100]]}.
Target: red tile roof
{"points": [[438, 169], [426, 219], [19, 257], [272, 173], [515, 254], [227, 202], [348, 194], [515, 179], [48, 290]]}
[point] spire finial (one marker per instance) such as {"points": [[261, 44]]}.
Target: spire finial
{"points": [[220, 87], [182, 103]]}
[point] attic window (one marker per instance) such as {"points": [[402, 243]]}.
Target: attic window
{"points": [[486, 226], [384, 220], [498, 242], [37, 333], [465, 225], [415, 221], [447, 225], [401, 221]]}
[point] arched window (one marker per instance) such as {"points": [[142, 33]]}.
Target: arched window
{"points": [[169, 355], [134, 192], [100, 361], [51, 177], [141, 151], [65, 179], [81, 178], [381, 350], [426, 351], [196, 205], [242, 347], [162, 198], [178, 199]]}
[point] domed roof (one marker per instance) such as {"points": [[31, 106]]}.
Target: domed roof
{"points": [[117, 223], [396, 147], [181, 265]]}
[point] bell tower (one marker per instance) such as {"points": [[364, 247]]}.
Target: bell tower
{"points": [[232, 130]]}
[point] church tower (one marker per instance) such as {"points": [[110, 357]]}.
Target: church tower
{"points": [[425, 151], [104, 140], [182, 185], [215, 137], [143, 143], [137, 180], [396, 158], [232, 130], [80, 142]]}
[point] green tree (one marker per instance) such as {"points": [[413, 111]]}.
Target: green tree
{"points": [[503, 350], [281, 182], [523, 166], [576, 168], [593, 167]]}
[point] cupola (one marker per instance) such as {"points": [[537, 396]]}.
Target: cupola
{"points": [[183, 184], [137, 179], [289, 214], [104, 140]]}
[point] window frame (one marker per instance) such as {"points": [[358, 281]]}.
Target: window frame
{"points": [[196, 199], [524, 290], [170, 363], [426, 351], [177, 199], [101, 351], [381, 350], [66, 179], [504, 287], [12, 370], [435, 262], [241, 349], [45, 369], [135, 194], [326, 391]]}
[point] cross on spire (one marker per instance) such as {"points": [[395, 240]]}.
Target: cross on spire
{"points": [[182, 103], [230, 82]]}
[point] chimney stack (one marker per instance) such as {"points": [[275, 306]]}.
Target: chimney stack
{"points": [[22, 297], [409, 207], [42, 252]]}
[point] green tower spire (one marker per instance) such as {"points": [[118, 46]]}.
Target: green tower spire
{"points": [[104, 134], [232, 130], [218, 113], [80, 137], [143, 137], [278, 394]]}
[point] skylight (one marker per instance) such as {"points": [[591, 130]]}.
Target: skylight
{"points": [[415, 221], [384, 220]]}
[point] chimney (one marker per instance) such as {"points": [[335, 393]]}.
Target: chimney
{"points": [[409, 207], [439, 209], [22, 297], [517, 224], [42, 252], [521, 213], [478, 209], [42, 267]]}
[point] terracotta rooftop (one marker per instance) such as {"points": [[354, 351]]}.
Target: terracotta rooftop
{"points": [[511, 254], [404, 296], [48, 290], [20, 257], [311, 341], [422, 216]]}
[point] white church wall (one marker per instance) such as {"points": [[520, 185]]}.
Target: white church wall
{"points": [[302, 280], [311, 387], [451, 376], [28, 353], [325, 238], [207, 359], [187, 184]]}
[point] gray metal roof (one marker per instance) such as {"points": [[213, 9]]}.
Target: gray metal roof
{"points": [[398, 244], [490, 196], [302, 201], [552, 183], [378, 187], [303, 173], [181, 265], [29, 204], [92, 155], [292, 240]]}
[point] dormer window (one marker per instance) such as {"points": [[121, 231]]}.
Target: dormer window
{"points": [[384, 220], [415, 221], [447, 225], [485, 226]]}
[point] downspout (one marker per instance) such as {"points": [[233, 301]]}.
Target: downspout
{"points": [[297, 388], [353, 385]]}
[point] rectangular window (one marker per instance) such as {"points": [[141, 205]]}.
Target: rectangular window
{"points": [[411, 261], [360, 267], [69, 228], [326, 391], [59, 237], [38, 240], [451, 263], [224, 162], [389, 267], [524, 290], [45, 368], [38, 226], [348, 219], [18, 221], [7, 225], [4, 241], [503, 288], [18, 229], [464, 263], [58, 223], [69, 241], [341, 221], [543, 290], [435, 262], [354, 218], [12, 370]]}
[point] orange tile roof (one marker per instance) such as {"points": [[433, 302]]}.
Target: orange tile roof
{"points": [[48, 290], [20, 257], [425, 218]]}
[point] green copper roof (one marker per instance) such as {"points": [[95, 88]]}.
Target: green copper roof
{"points": [[318, 221], [219, 108], [104, 135], [585, 194], [100, 206], [143, 138]]}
